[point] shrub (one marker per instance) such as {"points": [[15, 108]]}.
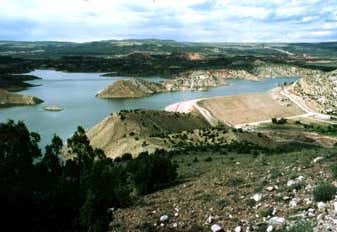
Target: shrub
{"points": [[223, 203], [234, 181], [266, 212], [208, 159], [275, 173], [302, 226], [333, 169], [126, 157], [324, 192], [151, 172]]}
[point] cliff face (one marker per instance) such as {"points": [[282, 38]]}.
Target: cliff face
{"points": [[321, 88], [12, 99], [131, 88]]}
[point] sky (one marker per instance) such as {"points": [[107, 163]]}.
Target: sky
{"points": [[180, 20]]}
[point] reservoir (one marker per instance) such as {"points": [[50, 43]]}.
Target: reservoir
{"points": [[75, 93]]}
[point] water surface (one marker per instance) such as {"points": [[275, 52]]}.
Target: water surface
{"points": [[75, 92]]}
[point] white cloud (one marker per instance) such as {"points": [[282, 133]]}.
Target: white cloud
{"points": [[197, 20]]}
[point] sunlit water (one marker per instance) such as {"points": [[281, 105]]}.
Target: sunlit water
{"points": [[75, 92]]}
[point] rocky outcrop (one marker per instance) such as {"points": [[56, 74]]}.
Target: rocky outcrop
{"points": [[321, 88], [13, 99], [195, 80], [263, 70], [132, 88], [201, 80]]}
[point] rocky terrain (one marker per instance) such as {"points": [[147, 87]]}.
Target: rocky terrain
{"points": [[201, 80], [249, 183], [195, 80], [321, 89], [266, 70], [133, 88], [13, 99]]}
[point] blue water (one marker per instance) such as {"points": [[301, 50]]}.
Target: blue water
{"points": [[75, 92]]}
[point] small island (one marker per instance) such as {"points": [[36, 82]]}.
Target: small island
{"points": [[53, 108]]}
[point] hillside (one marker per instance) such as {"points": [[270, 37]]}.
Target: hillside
{"points": [[140, 130], [131, 88], [13, 99], [319, 91]]}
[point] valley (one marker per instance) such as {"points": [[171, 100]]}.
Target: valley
{"points": [[195, 136]]}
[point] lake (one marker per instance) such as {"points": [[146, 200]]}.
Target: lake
{"points": [[75, 92]]}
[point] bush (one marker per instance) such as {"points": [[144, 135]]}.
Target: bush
{"points": [[324, 192], [126, 157], [152, 172], [208, 159], [72, 194], [333, 169], [302, 226]]}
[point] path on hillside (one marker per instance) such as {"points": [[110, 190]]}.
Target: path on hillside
{"points": [[301, 104]]}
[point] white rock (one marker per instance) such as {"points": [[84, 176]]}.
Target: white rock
{"points": [[321, 205], [270, 188], [257, 197], [269, 228], [274, 211], [291, 183], [163, 218], [175, 225], [216, 228], [277, 221], [210, 219], [317, 159], [176, 214], [300, 178], [335, 206], [237, 229], [293, 203]]}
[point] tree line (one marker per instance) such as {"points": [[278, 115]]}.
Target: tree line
{"points": [[45, 192]]}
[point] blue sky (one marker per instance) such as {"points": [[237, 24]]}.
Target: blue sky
{"points": [[181, 20]]}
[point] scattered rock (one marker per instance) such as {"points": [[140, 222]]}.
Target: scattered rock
{"points": [[269, 228], [164, 218], [237, 229], [317, 159], [216, 228], [257, 197], [277, 221], [293, 203], [291, 183], [321, 205]]}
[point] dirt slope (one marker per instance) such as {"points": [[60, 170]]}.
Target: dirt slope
{"points": [[12, 99], [140, 130], [131, 88]]}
